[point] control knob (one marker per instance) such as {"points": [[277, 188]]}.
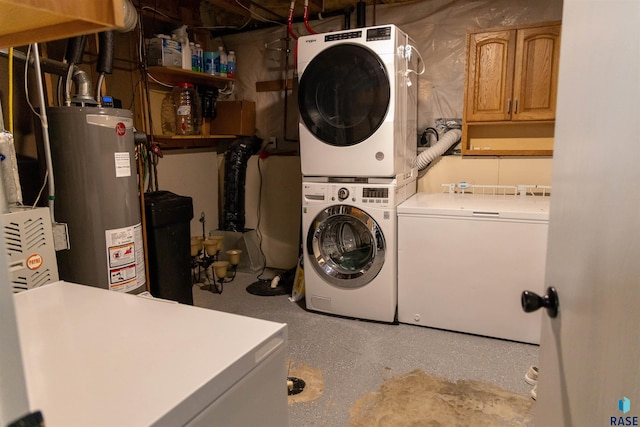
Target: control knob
{"points": [[343, 193]]}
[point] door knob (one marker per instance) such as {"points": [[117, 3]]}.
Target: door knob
{"points": [[531, 301]]}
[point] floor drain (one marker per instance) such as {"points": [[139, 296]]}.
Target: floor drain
{"points": [[295, 385]]}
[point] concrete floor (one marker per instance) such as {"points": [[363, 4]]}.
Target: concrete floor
{"points": [[355, 357]]}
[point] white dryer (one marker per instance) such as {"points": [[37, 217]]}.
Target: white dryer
{"points": [[358, 103], [350, 257]]}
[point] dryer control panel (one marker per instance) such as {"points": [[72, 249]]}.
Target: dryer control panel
{"points": [[381, 33]]}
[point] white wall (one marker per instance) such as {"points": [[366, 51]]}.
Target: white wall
{"points": [[280, 206], [278, 202], [192, 173], [485, 171]]}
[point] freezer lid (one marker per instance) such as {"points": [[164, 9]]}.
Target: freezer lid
{"points": [[477, 206], [102, 358]]}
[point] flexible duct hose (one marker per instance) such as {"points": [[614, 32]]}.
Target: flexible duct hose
{"points": [[235, 174], [438, 149], [83, 87]]}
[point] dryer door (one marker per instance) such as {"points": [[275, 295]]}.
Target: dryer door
{"points": [[344, 94], [346, 246]]}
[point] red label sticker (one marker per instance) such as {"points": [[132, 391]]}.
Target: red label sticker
{"points": [[34, 262], [121, 129]]}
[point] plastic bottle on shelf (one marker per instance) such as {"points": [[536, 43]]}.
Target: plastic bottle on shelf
{"points": [[231, 65], [182, 36], [194, 56], [223, 61], [187, 107], [208, 62], [168, 115], [186, 56], [199, 60], [216, 63]]}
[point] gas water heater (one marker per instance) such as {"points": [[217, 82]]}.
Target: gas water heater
{"points": [[93, 153]]}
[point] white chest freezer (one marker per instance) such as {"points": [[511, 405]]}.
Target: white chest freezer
{"points": [[464, 260], [98, 358]]}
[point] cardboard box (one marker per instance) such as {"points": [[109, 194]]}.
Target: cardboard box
{"points": [[234, 118], [164, 52]]}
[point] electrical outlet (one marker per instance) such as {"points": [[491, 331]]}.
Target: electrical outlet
{"points": [[60, 236]]}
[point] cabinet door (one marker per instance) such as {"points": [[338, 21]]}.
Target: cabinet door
{"points": [[535, 83], [490, 75]]}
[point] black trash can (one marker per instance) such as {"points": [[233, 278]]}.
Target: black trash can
{"points": [[169, 245]]}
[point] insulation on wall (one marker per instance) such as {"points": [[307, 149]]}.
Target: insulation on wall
{"points": [[438, 27]]}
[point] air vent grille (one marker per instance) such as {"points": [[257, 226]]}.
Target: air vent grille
{"points": [[30, 248]]}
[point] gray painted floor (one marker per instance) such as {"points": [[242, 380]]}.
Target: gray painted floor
{"points": [[356, 357]]}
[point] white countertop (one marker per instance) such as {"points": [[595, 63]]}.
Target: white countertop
{"points": [[93, 357]]}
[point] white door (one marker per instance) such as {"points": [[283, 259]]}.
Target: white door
{"points": [[590, 353]]}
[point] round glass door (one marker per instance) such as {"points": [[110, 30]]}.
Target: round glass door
{"points": [[344, 95], [346, 246]]}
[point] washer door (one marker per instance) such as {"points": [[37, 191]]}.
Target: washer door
{"points": [[346, 246], [344, 94]]}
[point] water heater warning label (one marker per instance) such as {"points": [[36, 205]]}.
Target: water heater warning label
{"points": [[123, 164], [125, 258]]}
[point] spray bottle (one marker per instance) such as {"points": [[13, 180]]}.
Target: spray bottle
{"points": [[183, 38]]}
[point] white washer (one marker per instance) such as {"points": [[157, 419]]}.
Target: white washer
{"points": [[464, 260], [358, 103], [350, 266]]}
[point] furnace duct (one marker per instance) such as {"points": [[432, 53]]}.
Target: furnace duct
{"points": [[235, 175]]}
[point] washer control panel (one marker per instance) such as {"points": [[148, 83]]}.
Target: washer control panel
{"points": [[379, 196], [376, 196]]}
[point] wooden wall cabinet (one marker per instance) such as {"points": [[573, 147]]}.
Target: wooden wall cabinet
{"points": [[29, 21], [511, 90]]}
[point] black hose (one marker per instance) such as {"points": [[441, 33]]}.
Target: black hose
{"points": [[75, 48], [361, 14], [105, 54]]}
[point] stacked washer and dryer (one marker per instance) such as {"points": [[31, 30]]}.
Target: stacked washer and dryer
{"points": [[358, 124]]}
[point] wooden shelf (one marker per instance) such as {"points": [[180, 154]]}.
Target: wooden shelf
{"points": [[29, 21], [173, 75], [190, 141], [533, 138]]}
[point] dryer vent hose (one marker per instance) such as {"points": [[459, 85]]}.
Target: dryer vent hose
{"points": [[438, 149], [235, 176]]}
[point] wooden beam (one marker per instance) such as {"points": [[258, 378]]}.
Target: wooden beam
{"points": [[316, 5], [274, 85], [233, 7]]}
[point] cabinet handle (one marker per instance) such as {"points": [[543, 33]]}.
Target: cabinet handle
{"points": [[515, 107], [509, 106]]}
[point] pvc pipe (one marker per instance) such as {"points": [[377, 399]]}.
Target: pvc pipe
{"points": [[290, 21], [275, 281], [45, 131], [306, 18]]}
